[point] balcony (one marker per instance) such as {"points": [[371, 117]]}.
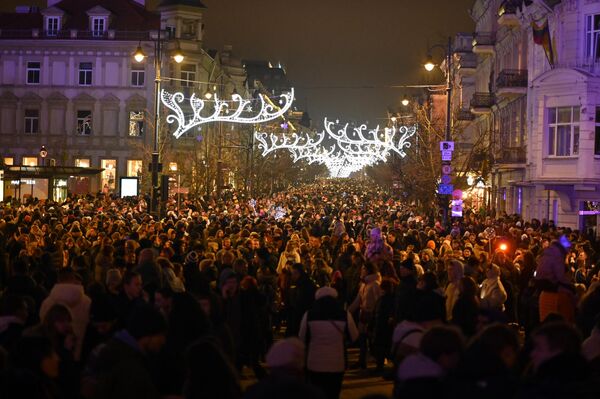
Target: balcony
{"points": [[511, 83], [73, 34], [507, 14], [465, 115], [467, 64], [482, 103], [483, 43], [512, 155]]}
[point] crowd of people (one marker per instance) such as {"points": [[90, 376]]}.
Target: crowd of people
{"points": [[101, 300]]}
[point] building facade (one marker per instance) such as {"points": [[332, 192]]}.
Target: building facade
{"points": [[69, 82], [536, 94]]}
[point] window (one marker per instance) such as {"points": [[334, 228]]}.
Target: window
{"points": [[597, 133], [82, 162], [98, 26], [189, 28], [108, 174], [52, 26], [85, 73], [32, 121], [33, 73], [188, 75], [138, 75], [563, 131], [29, 161], [171, 32], [9, 161], [136, 123], [84, 122], [134, 168], [592, 36]]}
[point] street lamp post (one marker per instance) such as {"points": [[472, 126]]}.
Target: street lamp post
{"points": [[155, 166], [43, 154], [429, 66]]}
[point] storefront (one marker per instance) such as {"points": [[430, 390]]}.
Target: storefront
{"points": [[44, 182]]}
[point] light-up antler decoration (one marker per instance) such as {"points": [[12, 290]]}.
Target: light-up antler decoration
{"points": [[239, 110], [351, 150]]}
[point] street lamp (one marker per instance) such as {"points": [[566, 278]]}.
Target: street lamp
{"points": [[405, 101], [155, 165], [43, 154], [429, 66], [173, 168]]}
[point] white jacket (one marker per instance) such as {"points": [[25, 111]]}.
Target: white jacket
{"points": [[326, 345], [73, 297]]}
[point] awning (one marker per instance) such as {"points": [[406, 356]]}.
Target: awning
{"points": [[47, 172]]}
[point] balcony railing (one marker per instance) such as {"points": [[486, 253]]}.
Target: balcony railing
{"points": [[512, 78], [512, 155], [468, 61], [484, 39], [465, 115], [73, 35], [482, 100]]}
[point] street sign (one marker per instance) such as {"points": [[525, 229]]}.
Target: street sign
{"points": [[446, 155], [446, 179], [446, 146], [446, 169], [445, 189]]}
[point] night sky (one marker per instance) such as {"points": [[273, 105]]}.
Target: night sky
{"points": [[332, 48]]}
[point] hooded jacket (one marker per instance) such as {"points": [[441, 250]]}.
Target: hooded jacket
{"points": [[73, 297]]}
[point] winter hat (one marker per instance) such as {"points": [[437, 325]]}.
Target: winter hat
{"points": [[145, 321], [431, 245], [192, 258], [226, 274], [326, 291], [287, 354]]}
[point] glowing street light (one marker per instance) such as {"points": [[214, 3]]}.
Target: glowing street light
{"points": [[429, 65]]}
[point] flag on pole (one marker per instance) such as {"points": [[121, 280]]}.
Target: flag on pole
{"points": [[541, 36]]}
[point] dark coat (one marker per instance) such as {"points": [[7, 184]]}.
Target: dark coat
{"points": [[122, 371]]}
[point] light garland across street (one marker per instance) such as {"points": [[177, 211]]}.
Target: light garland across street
{"points": [[237, 110], [342, 150]]}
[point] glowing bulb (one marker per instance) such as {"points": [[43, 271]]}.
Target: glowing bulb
{"points": [[139, 54], [503, 247], [405, 101], [429, 65], [393, 118], [208, 95], [178, 55]]}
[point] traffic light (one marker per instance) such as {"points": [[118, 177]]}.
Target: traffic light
{"points": [[164, 188]]}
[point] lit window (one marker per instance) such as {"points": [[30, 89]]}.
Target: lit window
{"points": [[32, 121], [82, 162], [9, 161], [108, 174], [84, 122], [98, 26], [134, 168], [138, 75], [85, 73], [563, 131], [52, 26], [30, 161], [136, 123], [33, 73]]}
